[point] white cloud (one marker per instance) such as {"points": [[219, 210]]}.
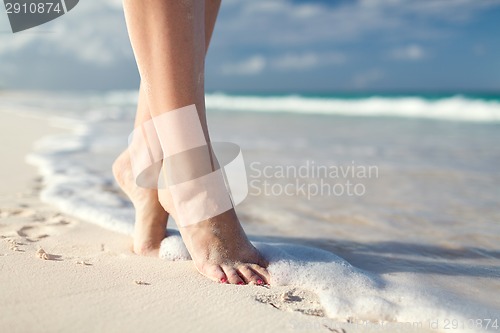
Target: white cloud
{"points": [[285, 62], [456, 10], [94, 32], [300, 35], [366, 79], [285, 23], [296, 61], [251, 66], [307, 60], [411, 52]]}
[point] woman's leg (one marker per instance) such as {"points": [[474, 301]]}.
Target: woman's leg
{"points": [[151, 217], [168, 38]]}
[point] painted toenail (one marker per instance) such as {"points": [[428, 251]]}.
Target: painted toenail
{"points": [[223, 280], [259, 281], [240, 283]]}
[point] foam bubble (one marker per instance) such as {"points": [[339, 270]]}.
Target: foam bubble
{"points": [[172, 248], [347, 294], [72, 187], [350, 294]]}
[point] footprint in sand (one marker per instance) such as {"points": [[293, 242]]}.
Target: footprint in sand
{"points": [[45, 228], [42, 225], [25, 224], [294, 300], [5, 213]]}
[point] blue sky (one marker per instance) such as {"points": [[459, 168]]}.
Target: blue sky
{"points": [[278, 46]]}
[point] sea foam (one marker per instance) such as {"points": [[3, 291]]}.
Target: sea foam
{"points": [[349, 294], [456, 108]]}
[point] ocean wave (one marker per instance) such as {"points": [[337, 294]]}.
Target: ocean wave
{"points": [[456, 108], [74, 187]]}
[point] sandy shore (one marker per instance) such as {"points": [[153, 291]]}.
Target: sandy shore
{"points": [[92, 282], [86, 279]]}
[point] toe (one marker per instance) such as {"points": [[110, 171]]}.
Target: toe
{"points": [[215, 273], [249, 275], [232, 275], [262, 273]]}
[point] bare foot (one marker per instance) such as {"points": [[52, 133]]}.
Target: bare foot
{"points": [[150, 217], [220, 248]]}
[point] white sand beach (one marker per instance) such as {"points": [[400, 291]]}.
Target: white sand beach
{"points": [[90, 281]]}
